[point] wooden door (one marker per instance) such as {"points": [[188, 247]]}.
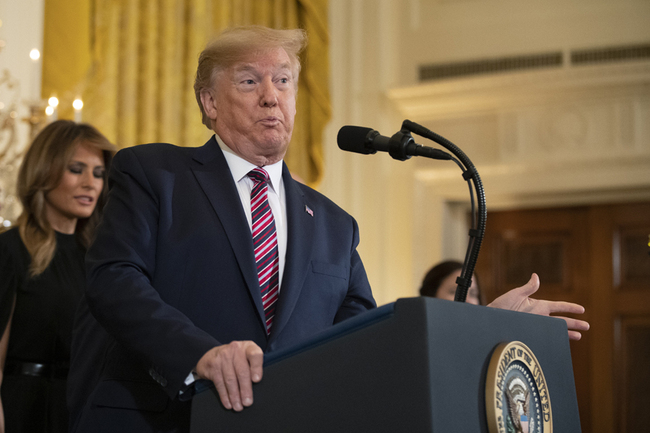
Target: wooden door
{"points": [[598, 256]]}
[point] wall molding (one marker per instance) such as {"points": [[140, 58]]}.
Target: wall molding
{"points": [[472, 96], [564, 137]]}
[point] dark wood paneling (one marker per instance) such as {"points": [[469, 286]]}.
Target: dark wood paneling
{"points": [[597, 256], [543, 252], [553, 244], [631, 258], [633, 369], [629, 227]]}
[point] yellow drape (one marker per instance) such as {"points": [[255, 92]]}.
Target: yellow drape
{"points": [[134, 63], [66, 52]]}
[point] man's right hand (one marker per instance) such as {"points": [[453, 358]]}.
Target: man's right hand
{"points": [[233, 368]]}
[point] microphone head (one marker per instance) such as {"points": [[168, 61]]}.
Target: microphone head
{"points": [[354, 139]]}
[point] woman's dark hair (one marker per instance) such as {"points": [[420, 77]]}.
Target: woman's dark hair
{"points": [[433, 279], [436, 275]]}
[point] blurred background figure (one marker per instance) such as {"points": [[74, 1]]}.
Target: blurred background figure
{"points": [[62, 187], [440, 282]]}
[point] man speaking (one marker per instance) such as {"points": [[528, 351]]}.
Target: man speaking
{"points": [[208, 257]]}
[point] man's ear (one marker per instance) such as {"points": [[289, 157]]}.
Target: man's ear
{"points": [[209, 103]]}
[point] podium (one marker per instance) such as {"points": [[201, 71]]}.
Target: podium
{"points": [[417, 365]]}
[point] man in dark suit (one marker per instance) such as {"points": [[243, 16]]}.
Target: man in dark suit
{"points": [[176, 289], [173, 290]]}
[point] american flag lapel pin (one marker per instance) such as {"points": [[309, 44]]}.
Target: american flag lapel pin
{"points": [[309, 211]]}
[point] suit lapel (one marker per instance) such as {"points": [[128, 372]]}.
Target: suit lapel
{"points": [[214, 177], [300, 233]]}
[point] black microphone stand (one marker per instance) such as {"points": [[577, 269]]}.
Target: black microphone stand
{"points": [[402, 147]]}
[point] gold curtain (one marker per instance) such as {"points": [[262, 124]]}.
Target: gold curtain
{"points": [[66, 52], [134, 63]]}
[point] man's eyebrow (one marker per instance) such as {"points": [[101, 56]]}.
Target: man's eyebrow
{"points": [[244, 68], [285, 66], [250, 68]]}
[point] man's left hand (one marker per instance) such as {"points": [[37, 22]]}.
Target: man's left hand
{"points": [[519, 300]]}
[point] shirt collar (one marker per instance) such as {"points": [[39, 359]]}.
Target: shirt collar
{"points": [[239, 167]]}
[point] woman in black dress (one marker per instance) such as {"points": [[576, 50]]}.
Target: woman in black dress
{"points": [[62, 187]]}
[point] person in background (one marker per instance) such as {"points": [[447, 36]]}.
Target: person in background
{"points": [[440, 282], [62, 187]]}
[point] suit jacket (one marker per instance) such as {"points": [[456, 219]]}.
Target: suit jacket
{"points": [[172, 274]]}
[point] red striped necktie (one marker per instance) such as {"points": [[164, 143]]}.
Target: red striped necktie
{"points": [[265, 243]]}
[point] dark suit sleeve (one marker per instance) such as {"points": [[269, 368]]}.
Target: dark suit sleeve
{"points": [[120, 266], [359, 296]]}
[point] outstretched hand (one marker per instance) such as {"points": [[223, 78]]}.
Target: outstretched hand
{"points": [[519, 300]]}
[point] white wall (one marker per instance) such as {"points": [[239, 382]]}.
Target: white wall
{"points": [[564, 137], [21, 31], [438, 31], [374, 189]]}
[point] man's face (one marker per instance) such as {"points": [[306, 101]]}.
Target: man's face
{"points": [[253, 106]]}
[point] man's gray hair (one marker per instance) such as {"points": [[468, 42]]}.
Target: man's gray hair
{"points": [[239, 43]]}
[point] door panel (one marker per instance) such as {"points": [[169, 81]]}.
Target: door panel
{"points": [[597, 256]]}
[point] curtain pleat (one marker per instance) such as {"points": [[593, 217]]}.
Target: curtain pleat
{"points": [[137, 81], [129, 85], [171, 48], [148, 73], [66, 52]]}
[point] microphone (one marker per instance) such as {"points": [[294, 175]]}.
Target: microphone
{"points": [[400, 146], [361, 140]]}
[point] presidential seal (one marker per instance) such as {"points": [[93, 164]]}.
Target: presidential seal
{"points": [[516, 396]]}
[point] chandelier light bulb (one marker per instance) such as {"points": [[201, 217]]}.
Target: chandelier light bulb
{"points": [[77, 104], [35, 54], [49, 110], [53, 101]]}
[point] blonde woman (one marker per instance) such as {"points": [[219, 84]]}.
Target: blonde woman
{"points": [[62, 187]]}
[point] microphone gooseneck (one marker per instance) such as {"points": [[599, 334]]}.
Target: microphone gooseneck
{"points": [[477, 232], [401, 146]]}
